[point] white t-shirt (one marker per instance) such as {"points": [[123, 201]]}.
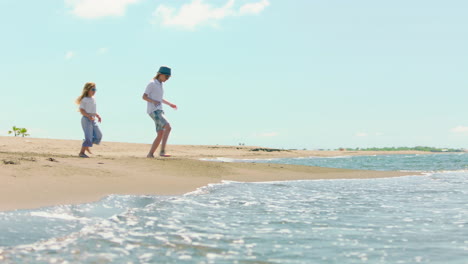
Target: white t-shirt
{"points": [[155, 92], [89, 105]]}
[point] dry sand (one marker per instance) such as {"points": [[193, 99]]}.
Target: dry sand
{"points": [[44, 172]]}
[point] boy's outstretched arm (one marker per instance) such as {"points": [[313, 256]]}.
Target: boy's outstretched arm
{"points": [[170, 104]]}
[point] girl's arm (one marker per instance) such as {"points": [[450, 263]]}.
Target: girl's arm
{"points": [[170, 104], [98, 118], [83, 112]]}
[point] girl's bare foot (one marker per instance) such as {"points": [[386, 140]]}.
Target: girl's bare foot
{"points": [[89, 151]]}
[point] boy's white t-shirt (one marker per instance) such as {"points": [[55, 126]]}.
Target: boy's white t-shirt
{"points": [[88, 104], [155, 92]]}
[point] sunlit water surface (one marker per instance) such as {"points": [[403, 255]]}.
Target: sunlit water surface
{"points": [[414, 219]]}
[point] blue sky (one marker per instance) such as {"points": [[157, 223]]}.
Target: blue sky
{"points": [[288, 74]]}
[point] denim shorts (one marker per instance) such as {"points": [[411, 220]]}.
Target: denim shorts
{"points": [[159, 119]]}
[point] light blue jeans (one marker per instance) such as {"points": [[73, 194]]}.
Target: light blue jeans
{"points": [[91, 131]]}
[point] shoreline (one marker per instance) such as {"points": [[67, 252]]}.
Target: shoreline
{"points": [[47, 172]]}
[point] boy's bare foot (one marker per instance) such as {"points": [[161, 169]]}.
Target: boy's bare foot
{"points": [[150, 156], [163, 154]]}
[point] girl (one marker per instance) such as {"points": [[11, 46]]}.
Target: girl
{"points": [[91, 130]]}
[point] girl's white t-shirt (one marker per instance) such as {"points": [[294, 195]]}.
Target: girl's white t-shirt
{"points": [[88, 104]]}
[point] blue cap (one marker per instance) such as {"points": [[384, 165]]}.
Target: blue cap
{"points": [[164, 70]]}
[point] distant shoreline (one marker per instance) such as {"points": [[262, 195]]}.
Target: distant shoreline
{"points": [[39, 172], [419, 148]]}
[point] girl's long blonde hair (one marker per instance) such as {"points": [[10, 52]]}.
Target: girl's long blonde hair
{"points": [[87, 87]]}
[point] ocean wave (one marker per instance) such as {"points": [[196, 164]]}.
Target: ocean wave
{"points": [[298, 221], [61, 216], [208, 188]]}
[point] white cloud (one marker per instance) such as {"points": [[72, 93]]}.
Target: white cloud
{"points": [[460, 129], [196, 13], [69, 55], [254, 8], [361, 134], [99, 8]]}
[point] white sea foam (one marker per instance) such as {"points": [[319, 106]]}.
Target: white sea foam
{"points": [[231, 160], [207, 188], [219, 159], [62, 216]]}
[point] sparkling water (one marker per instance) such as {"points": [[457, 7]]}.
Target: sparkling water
{"points": [[413, 219]]}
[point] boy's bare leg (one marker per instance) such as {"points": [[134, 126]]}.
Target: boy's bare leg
{"points": [[167, 131], [155, 145]]}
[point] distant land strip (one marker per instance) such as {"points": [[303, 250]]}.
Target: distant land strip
{"points": [[417, 148]]}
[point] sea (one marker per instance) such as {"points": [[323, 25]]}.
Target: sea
{"points": [[410, 219]]}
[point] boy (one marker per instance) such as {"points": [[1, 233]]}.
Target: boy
{"points": [[154, 96]]}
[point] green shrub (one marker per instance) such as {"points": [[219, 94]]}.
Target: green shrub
{"points": [[19, 131]]}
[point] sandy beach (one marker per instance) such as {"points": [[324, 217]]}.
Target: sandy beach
{"points": [[38, 172]]}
